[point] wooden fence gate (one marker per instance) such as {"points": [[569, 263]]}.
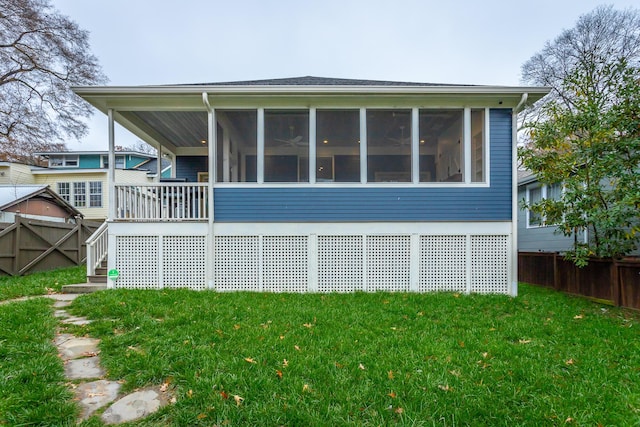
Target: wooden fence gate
{"points": [[29, 245]]}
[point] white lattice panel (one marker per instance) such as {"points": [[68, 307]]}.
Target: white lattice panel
{"points": [[237, 263], [285, 263], [340, 263], [388, 263], [137, 260], [489, 264], [184, 262], [443, 263]]}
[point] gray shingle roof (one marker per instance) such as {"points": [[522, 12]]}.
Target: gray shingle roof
{"points": [[319, 81]]}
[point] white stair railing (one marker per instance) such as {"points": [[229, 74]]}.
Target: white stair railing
{"points": [[96, 249]]}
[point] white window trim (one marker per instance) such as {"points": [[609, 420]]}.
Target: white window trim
{"points": [[543, 196], [65, 160]]}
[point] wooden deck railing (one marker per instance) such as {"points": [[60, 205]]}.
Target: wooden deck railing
{"points": [[161, 202]]}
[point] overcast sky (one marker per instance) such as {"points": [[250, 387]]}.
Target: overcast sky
{"points": [[141, 42]]}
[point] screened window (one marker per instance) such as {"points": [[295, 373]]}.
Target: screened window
{"points": [[237, 143], [388, 145], [63, 160], [120, 161], [64, 191], [440, 139], [79, 195], [338, 146], [286, 146], [95, 194]]}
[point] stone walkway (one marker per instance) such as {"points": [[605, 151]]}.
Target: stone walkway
{"points": [[81, 357]]}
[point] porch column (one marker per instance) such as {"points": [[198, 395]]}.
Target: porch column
{"points": [[111, 214], [211, 139], [159, 164]]}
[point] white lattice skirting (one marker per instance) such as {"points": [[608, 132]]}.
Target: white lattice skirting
{"points": [[316, 262]]}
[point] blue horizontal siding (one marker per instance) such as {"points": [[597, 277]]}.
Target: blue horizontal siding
{"points": [[364, 203]]}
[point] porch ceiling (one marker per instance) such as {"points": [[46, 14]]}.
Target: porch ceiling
{"points": [[175, 117]]}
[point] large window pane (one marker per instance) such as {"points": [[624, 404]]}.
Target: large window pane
{"points": [[286, 145], [441, 153], [237, 143], [388, 145], [338, 146], [535, 196], [477, 146]]}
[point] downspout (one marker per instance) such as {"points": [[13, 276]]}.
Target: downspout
{"points": [[514, 195], [211, 139]]}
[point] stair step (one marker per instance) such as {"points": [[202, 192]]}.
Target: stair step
{"points": [[97, 278], [101, 271], [83, 288]]}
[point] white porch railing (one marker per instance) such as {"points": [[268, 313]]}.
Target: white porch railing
{"points": [[96, 249], [161, 202]]}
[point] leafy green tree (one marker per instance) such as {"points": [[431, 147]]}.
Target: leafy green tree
{"points": [[592, 146], [42, 54]]}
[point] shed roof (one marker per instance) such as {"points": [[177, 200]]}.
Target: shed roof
{"points": [[11, 195]]}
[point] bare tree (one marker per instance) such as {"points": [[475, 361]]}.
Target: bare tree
{"points": [[42, 54], [599, 39]]}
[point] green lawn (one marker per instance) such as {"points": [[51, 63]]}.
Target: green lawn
{"points": [[32, 384], [40, 283], [373, 359]]}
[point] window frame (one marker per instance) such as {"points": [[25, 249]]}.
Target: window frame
{"points": [[66, 161], [466, 149], [544, 194]]}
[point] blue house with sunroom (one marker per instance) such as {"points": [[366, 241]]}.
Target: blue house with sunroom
{"points": [[318, 185]]}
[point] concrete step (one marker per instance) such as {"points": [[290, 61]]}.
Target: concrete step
{"points": [[83, 288]]}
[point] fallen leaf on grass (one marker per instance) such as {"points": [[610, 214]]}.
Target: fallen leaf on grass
{"points": [[296, 347], [249, 360], [306, 388], [399, 411], [279, 373], [361, 366], [445, 387], [569, 362], [238, 399], [390, 375], [224, 395], [285, 363], [236, 327], [392, 395], [578, 316], [524, 341], [307, 325], [201, 416], [569, 420], [190, 394]]}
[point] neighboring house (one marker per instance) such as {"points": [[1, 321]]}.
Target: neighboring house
{"points": [[321, 185], [15, 174], [34, 201], [534, 234], [80, 177]]}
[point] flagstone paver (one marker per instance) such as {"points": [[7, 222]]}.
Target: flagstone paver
{"points": [[135, 406], [95, 395]]}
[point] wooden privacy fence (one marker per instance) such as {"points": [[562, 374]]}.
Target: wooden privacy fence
{"points": [[615, 282], [29, 245]]}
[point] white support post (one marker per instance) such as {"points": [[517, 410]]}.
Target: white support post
{"points": [[415, 146], [312, 145], [363, 145], [466, 146], [513, 280], [111, 170], [226, 157], [159, 164], [260, 148]]}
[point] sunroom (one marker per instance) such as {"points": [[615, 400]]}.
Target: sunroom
{"points": [[313, 184]]}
